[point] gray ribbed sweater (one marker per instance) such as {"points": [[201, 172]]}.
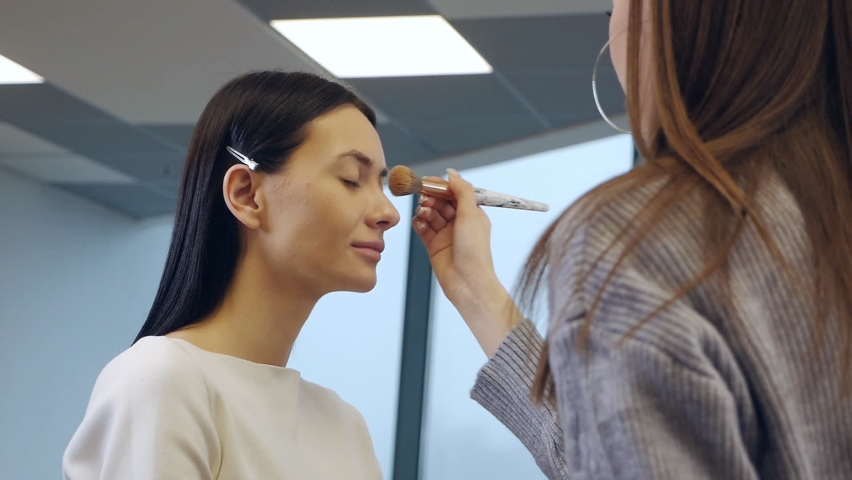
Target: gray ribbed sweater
{"points": [[721, 387]]}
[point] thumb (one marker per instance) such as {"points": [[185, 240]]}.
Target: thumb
{"points": [[463, 190]]}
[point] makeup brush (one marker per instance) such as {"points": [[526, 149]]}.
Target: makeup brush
{"points": [[403, 181]]}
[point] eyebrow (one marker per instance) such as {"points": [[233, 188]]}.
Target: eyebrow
{"points": [[363, 160]]}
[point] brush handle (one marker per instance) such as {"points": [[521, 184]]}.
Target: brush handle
{"points": [[439, 188], [487, 198]]}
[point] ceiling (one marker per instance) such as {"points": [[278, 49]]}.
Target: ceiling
{"points": [[126, 80]]}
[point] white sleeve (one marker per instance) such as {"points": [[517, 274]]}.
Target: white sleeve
{"points": [[148, 418], [371, 462]]}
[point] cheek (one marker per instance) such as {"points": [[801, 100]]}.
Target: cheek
{"points": [[289, 219], [312, 224], [618, 44], [328, 219], [618, 55]]}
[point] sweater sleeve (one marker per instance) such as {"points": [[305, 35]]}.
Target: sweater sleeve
{"points": [[503, 388], [148, 418]]}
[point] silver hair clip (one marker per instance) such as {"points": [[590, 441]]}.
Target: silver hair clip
{"points": [[251, 163]]}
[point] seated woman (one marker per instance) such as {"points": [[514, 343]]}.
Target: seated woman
{"points": [[281, 202]]}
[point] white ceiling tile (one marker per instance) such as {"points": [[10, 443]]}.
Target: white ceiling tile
{"points": [[64, 168], [459, 9]]}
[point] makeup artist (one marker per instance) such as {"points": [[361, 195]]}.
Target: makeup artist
{"points": [[700, 305]]}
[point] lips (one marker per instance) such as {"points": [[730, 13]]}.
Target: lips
{"points": [[370, 250], [377, 246]]}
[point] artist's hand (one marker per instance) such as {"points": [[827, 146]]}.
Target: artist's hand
{"points": [[457, 236]]}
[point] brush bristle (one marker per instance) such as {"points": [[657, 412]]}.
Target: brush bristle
{"points": [[403, 181]]}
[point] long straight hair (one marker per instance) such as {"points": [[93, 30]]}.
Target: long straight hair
{"points": [[265, 116], [740, 89]]}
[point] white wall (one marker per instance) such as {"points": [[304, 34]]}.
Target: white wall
{"points": [[76, 282]]}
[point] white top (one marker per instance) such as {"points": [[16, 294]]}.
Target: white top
{"points": [[166, 409]]}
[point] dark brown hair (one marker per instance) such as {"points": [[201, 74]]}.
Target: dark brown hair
{"points": [[739, 88], [264, 115]]}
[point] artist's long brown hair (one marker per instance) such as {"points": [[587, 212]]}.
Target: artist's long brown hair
{"points": [[741, 88]]}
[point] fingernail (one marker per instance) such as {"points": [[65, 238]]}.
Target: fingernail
{"points": [[421, 210], [453, 172], [418, 225], [422, 200]]}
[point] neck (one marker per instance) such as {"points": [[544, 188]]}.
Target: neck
{"points": [[259, 319]]}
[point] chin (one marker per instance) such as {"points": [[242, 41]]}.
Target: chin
{"points": [[363, 289], [361, 285]]}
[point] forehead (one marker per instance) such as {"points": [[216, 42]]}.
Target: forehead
{"points": [[342, 130]]}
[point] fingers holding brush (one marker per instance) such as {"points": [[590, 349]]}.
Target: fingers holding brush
{"points": [[465, 196], [424, 231], [436, 211], [432, 217]]}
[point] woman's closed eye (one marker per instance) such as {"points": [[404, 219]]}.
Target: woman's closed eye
{"points": [[351, 183]]}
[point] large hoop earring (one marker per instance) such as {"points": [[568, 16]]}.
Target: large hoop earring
{"points": [[595, 85]]}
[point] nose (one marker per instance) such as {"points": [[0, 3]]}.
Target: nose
{"points": [[384, 215]]}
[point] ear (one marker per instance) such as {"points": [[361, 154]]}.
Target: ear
{"points": [[240, 188]]}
